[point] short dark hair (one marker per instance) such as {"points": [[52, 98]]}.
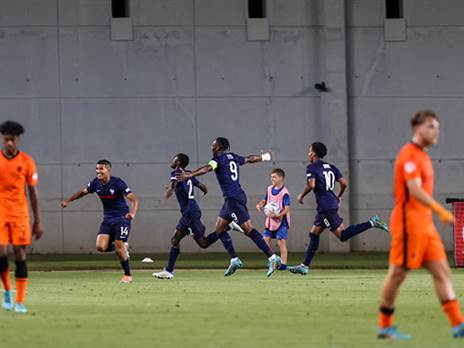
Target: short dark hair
{"points": [[11, 128], [421, 116], [223, 143], [319, 148], [105, 162], [184, 160], [278, 171]]}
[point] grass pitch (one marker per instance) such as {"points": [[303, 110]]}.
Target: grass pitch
{"points": [[201, 308]]}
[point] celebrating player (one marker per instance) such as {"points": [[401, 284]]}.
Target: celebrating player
{"points": [[17, 170], [277, 223], [115, 228], [190, 222], [226, 165], [415, 239], [321, 178]]}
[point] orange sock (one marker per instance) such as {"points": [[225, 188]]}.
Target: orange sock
{"points": [[385, 317], [21, 284], [453, 311], [5, 276]]}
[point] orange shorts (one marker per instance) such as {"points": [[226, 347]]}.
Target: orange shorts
{"points": [[16, 233], [417, 248]]}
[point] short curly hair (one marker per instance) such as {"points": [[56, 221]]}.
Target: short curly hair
{"points": [[319, 149], [11, 128]]}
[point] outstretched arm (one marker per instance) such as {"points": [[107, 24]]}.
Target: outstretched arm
{"points": [[134, 203], [182, 176], [77, 195], [258, 158], [310, 184], [37, 228]]}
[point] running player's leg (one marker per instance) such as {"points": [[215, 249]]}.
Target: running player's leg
{"points": [[104, 241], [347, 233], [168, 272], [20, 277], [120, 229], [314, 239]]}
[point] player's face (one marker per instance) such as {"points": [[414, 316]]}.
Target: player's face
{"points": [[276, 179], [311, 155], [10, 143], [215, 147], [102, 171], [175, 163], [429, 131]]}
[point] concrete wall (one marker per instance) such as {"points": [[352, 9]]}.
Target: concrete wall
{"points": [[190, 74]]}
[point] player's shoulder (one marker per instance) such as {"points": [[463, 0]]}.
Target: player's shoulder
{"points": [[117, 180], [409, 151], [25, 157]]}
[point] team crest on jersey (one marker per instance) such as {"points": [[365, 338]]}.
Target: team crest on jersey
{"points": [[19, 169], [111, 191]]}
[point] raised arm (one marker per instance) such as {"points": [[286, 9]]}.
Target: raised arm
{"points": [[310, 184], [416, 190], [134, 204], [77, 195], [258, 158], [37, 228], [182, 176]]}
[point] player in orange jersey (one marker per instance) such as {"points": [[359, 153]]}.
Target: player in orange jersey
{"points": [[17, 170], [415, 240]]}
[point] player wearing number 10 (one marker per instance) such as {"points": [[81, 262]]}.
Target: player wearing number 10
{"points": [[320, 178], [226, 165]]}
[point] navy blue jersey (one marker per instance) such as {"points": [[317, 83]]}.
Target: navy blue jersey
{"points": [[227, 169], [112, 195], [185, 192], [325, 175]]}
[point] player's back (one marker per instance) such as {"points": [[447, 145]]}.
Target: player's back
{"points": [[411, 162], [325, 176], [15, 174], [185, 192], [227, 169]]}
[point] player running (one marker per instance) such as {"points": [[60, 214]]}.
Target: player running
{"points": [[190, 222], [115, 228], [415, 240], [321, 178], [17, 170], [226, 165]]}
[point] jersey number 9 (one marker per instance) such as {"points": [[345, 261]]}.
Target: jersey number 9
{"points": [[234, 171]]}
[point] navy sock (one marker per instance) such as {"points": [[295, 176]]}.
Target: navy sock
{"points": [[228, 245], [312, 248], [212, 238], [257, 238], [353, 230], [126, 267], [172, 258], [110, 248]]}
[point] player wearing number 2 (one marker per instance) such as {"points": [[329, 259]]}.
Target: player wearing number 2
{"points": [[320, 178], [226, 165]]}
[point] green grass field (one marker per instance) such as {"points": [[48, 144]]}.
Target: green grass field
{"points": [[201, 308]]}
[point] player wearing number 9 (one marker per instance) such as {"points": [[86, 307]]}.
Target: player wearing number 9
{"points": [[226, 166], [320, 178]]}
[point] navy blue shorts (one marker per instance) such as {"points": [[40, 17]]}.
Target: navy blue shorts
{"points": [[328, 219], [235, 210], [190, 223], [117, 229]]}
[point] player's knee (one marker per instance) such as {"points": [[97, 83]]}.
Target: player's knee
{"points": [[202, 243], [3, 263], [21, 269], [175, 241], [101, 248]]}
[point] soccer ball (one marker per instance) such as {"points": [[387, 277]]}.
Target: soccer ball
{"points": [[271, 208]]}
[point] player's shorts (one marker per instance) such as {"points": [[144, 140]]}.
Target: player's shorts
{"points": [[417, 248], [281, 233], [328, 219], [16, 233], [235, 209], [190, 223], [117, 229]]}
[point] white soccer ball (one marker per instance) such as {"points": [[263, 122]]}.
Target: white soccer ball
{"points": [[271, 208]]}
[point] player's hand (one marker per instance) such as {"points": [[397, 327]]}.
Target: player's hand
{"points": [[275, 215], [300, 198], [130, 216], [339, 200], [446, 217], [258, 207], [37, 229], [64, 204], [182, 176]]}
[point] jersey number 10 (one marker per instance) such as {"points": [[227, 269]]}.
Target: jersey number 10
{"points": [[329, 180]]}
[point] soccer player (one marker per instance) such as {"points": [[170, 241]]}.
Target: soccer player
{"points": [[226, 165], [190, 222], [277, 224], [17, 170], [115, 228], [321, 178], [415, 240]]}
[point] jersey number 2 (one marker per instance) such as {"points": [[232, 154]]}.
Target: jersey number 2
{"points": [[190, 192], [329, 180], [233, 170]]}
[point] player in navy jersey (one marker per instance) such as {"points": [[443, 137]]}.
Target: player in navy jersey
{"points": [[321, 178], [115, 228], [226, 166], [190, 221]]}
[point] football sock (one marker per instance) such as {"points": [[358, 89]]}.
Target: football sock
{"points": [[172, 258], [257, 238], [385, 317], [21, 281], [126, 267], [228, 245], [453, 311], [353, 230], [312, 248], [212, 238], [4, 274]]}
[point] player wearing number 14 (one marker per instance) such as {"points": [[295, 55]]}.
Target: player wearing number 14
{"points": [[321, 178]]}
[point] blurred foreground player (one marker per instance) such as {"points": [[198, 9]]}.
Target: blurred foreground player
{"points": [[17, 170], [415, 240], [116, 226]]}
